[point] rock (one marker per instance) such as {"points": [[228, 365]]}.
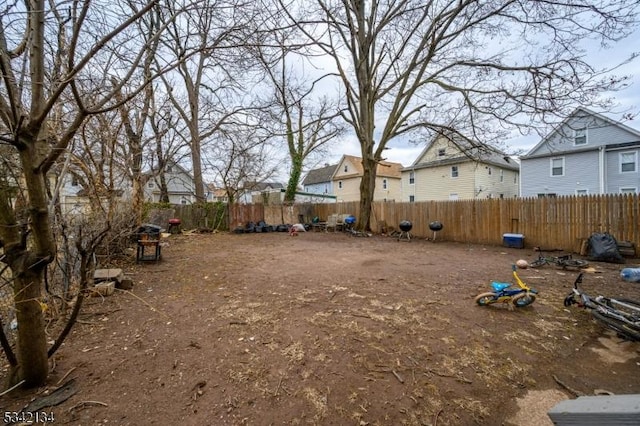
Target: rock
{"points": [[108, 275], [105, 288], [125, 284]]}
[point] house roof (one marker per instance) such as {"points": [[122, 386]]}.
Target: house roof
{"points": [[384, 168], [573, 115], [320, 175], [261, 186], [480, 153]]}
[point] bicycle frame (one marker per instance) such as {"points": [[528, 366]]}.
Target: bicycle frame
{"points": [[606, 309], [565, 261], [521, 296]]}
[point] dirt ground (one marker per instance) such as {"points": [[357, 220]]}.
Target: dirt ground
{"points": [[330, 329]]}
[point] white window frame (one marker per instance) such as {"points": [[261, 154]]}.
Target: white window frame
{"points": [[151, 184], [412, 178], [582, 192], [501, 175], [580, 136], [628, 190], [442, 152], [453, 196], [551, 166], [384, 184], [339, 184], [346, 168], [412, 198], [455, 172], [634, 162]]}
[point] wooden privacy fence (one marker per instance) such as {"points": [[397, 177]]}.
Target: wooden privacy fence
{"points": [[559, 222]]}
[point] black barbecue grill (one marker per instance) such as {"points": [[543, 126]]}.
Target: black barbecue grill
{"points": [[148, 237], [405, 228], [435, 226]]}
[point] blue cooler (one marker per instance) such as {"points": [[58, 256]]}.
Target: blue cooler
{"points": [[513, 240]]}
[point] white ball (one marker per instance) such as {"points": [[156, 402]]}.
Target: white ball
{"points": [[522, 264]]}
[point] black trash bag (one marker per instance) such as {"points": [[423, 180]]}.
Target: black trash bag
{"points": [[603, 247]]}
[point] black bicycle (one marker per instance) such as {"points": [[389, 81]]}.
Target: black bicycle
{"points": [[620, 315], [565, 261]]}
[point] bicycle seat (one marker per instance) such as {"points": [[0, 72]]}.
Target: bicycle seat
{"points": [[499, 286]]}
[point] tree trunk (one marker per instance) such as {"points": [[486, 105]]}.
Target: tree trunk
{"points": [[32, 342], [367, 188], [294, 179], [27, 267], [196, 160]]}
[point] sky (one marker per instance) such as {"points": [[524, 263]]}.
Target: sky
{"points": [[627, 100]]}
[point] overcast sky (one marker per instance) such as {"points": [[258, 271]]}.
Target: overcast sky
{"points": [[628, 100]]}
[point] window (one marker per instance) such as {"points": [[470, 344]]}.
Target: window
{"points": [[412, 178], [627, 162], [580, 136], [74, 181], [454, 171], [582, 192], [489, 170], [346, 168], [442, 152], [384, 184], [412, 198], [453, 196], [501, 175], [340, 184], [628, 190], [151, 184], [557, 166], [168, 169], [546, 195]]}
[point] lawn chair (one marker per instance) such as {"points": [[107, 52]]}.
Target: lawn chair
{"points": [[332, 222]]}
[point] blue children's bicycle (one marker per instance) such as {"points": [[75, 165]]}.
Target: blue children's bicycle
{"points": [[504, 293]]}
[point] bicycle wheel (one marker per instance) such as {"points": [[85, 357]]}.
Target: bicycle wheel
{"points": [[574, 263], [523, 299], [623, 329], [537, 263], [485, 299]]}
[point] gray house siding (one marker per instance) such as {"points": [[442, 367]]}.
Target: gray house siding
{"points": [[589, 147], [598, 133], [621, 181], [580, 174]]}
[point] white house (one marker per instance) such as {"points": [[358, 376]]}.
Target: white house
{"points": [[443, 171]]}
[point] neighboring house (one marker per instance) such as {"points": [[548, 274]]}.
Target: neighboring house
{"points": [[180, 185], [348, 175], [444, 172], [215, 194], [587, 153], [318, 181], [255, 192]]}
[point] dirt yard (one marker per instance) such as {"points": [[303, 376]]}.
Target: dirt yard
{"points": [[329, 329]]}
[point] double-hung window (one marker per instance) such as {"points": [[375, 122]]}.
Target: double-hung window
{"points": [[557, 166], [580, 136], [454, 171], [628, 161]]}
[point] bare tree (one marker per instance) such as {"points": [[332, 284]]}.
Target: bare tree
{"points": [[240, 155], [206, 89], [46, 51], [307, 119], [463, 67]]}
